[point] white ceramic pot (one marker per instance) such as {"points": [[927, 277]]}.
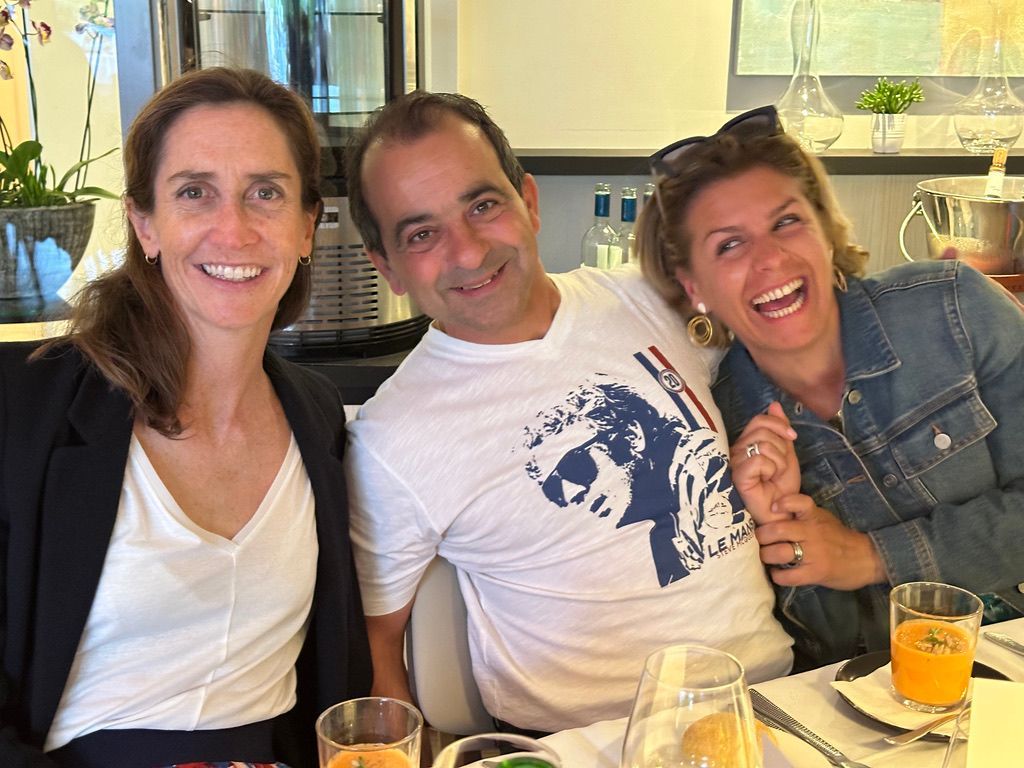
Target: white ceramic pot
{"points": [[887, 132]]}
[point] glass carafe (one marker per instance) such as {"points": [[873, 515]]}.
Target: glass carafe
{"points": [[807, 112], [991, 115]]}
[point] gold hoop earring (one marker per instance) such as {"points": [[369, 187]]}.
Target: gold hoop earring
{"points": [[839, 279], [306, 260], [700, 330], [152, 260]]}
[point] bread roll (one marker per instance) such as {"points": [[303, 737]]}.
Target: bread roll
{"points": [[717, 741]]}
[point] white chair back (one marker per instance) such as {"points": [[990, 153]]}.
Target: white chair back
{"points": [[437, 654]]}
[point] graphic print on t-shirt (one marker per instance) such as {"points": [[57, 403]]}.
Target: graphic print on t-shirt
{"points": [[631, 461]]}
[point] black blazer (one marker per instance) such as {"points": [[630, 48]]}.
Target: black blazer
{"points": [[64, 438]]}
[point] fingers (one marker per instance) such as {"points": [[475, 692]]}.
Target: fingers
{"points": [[833, 555], [774, 421], [766, 459]]}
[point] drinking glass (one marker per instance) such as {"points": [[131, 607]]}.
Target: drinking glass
{"points": [[383, 733], [933, 630], [692, 708], [497, 750]]}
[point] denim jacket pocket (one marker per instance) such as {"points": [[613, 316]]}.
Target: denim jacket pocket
{"points": [[943, 432], [819, 481]]}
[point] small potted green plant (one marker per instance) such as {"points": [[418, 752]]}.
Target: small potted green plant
{"points": [[889, 101], [46, 217]]}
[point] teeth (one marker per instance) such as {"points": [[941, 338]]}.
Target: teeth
{"points": [[777, 313], [474, 287], [777, 293], [233, 274]]}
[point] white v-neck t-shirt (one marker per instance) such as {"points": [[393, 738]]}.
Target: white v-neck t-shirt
{"points": [[190, 630]]}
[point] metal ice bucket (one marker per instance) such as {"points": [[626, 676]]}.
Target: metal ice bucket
{"points": [[987, 233]]}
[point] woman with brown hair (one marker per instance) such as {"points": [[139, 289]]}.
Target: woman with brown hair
{"points": [[177, 581], [900, 393]]}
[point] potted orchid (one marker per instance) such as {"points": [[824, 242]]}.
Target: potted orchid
{"points": [[46, 218]]}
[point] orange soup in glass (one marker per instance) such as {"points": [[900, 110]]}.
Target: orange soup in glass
{"points": [[933, 634], [375, 758]]}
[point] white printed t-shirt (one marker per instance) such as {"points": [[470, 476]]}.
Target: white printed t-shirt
{"points": [[580, 484]]}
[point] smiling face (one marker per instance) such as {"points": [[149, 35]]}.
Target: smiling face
{"points": [[761, 263], [227, 220], [457, 236]]}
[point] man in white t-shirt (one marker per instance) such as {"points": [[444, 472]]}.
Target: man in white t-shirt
{"points": [[553, 436]]}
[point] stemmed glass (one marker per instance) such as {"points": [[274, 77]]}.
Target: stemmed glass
{"points": [[692, 709]]}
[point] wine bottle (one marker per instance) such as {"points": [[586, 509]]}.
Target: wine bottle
{"points": [[601, 242], [648, 193], [996, 174], [627, 238]]}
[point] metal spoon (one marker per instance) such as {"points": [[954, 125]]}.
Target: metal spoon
{"points": [[924, 730]]}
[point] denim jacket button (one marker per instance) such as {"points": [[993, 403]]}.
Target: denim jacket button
{"points": [[854, 397], [942, 441], [890, 481]]}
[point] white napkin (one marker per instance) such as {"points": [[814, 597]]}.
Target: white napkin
{"points": [[873, 694], [995, 723], [600, 746], [773, 757]]}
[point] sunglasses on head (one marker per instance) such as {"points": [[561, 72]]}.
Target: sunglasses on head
{"points": [[763, 121]]}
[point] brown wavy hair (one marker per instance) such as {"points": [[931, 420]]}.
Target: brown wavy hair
{"points": [[663, 241], [406, 119], [126, 322]]}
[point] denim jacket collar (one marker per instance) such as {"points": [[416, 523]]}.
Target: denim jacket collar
{"points": [[866, 348]]}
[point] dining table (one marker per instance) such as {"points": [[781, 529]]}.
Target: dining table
{"points": [[810, 698]]}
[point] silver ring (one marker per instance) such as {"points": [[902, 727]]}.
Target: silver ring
{"points": [[798, 554], [753, 450]]}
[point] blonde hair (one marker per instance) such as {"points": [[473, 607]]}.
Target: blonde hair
{"points": [[663, 241]]}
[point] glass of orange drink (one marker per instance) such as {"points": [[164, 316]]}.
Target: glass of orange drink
{"points": [[372, 732], [933, 631]]}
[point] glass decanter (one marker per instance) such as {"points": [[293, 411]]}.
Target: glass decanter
{"points": [[807, 112], [991, 115]]}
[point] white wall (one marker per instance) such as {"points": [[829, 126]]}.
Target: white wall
{"points": [[604, 73]]}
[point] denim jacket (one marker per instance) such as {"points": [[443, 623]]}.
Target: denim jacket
{"points": [[930, 459]]}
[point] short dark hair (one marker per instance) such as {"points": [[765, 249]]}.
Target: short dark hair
{"points": [[126, 322], [406, 119], [663, 242]]}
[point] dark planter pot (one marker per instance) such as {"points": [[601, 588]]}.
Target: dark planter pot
{"points": [[39, 247]]}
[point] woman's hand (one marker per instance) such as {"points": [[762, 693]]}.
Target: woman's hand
{"points": [[764, 464], [833, 555]]}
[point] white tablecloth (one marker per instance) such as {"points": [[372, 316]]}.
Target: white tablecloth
{"points": [[810, 699]]}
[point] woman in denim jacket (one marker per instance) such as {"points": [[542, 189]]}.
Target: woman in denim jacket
{"points": [[902, 393]]}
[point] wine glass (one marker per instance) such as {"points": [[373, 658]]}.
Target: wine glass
{"points": [[692, 710]]}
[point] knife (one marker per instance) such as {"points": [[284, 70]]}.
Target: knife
{"points": [[1006, 641]]}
